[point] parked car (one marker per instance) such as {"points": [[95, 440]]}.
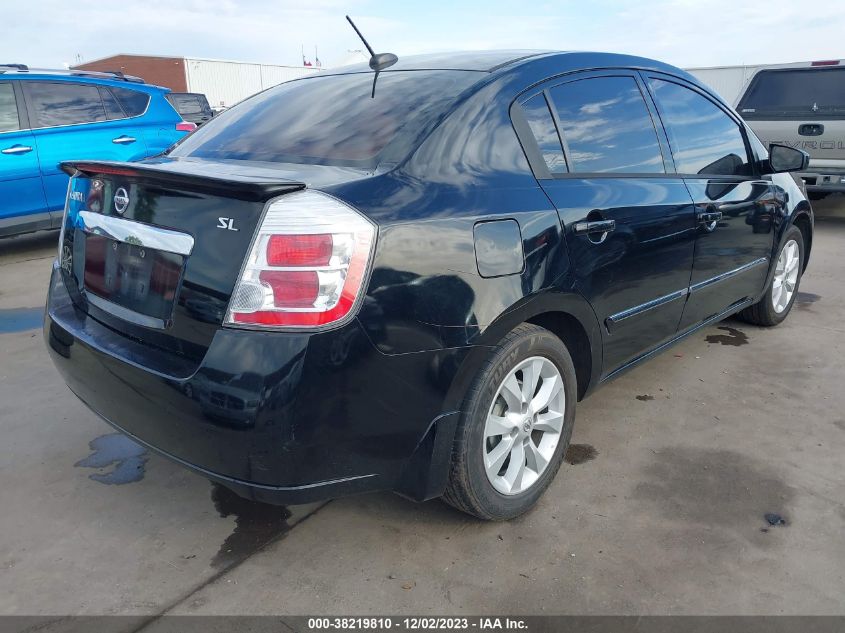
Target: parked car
{"points": [[191, 106], [801, 105], [422, 283], [48, 116]]}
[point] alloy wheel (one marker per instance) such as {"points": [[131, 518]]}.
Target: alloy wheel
{"points": [[523, 425], [786, 276]]}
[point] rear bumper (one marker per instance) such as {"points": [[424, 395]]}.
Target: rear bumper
{"points": [[277, 417], [824, 181]]}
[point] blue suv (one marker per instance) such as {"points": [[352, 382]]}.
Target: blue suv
{"points": [[49, 116]]}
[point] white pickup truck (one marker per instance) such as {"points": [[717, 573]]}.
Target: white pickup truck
{"points": [[801, 105]]}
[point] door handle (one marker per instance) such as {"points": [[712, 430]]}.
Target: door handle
{"points": [[709, 217], [17, 149], [123, 140], [593, 227]]}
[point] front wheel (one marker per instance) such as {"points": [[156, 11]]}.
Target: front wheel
{"points": [[515, 428], [777, 301]]}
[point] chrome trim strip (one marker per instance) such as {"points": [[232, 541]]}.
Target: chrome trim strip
{"points": [[736, 307], [613, 319], [125, 313], [727, 275], [135, 233]]}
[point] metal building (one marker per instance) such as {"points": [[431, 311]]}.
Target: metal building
{"points": [[223, 82]]}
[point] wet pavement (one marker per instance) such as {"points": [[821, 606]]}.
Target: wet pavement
{"points": [[708, 480]]}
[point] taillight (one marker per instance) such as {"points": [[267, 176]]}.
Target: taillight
{"points": [[186, 126], [307, 264]]}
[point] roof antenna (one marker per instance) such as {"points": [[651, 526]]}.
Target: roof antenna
{"points": [[378, 61]]}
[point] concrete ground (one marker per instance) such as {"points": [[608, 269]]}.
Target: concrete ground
{"points": [[661, 510]]}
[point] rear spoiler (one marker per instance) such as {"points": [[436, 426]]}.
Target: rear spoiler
{"points": [[217, 178]]}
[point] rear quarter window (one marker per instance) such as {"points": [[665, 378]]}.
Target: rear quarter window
{"points": [[539, 119], [133, 102]]}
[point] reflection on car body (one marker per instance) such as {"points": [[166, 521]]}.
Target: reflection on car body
{"points": [[425, 280]]}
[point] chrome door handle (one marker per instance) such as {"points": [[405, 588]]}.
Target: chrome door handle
{"points": [[17, 149], [123, 140], [709, 217], [598, 226]]}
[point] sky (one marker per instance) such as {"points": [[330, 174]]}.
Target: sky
{"points": [[686, 33]]}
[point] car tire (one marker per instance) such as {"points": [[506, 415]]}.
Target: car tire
{"points": [[528, 350], [773, 307]]}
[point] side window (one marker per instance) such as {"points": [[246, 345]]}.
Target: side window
{"points": [[607, 127], [113, 109], [8, 108], [134, 103], [539, 119], [704, 140], [64, 103]]}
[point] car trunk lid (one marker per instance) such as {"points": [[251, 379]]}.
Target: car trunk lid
{"points": [[153, 250]]}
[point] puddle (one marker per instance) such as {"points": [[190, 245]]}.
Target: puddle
{"points": [[127, 457], [580, 453], [20, 319], [725, 492], [734, 337], [256, 524], [645, 397]]}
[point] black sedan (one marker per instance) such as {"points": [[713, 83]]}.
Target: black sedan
{"points": [[406, 280]]}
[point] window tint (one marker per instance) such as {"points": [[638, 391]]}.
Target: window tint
{"points": [[800, 94], [331, 119], [113, 109], [606, 126], [8, 108], [539, 119], [704, 140], [189, 104], [65, 103], [134, 103]]}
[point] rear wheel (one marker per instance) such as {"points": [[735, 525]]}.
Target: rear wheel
{"points": [[516, 426], [777, 301]]}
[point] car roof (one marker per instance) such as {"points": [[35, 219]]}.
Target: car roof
{"points": [[484, 61], [515, 61]]}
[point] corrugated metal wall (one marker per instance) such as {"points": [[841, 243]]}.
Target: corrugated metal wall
{"points": [[726, 81], [226, 83]]}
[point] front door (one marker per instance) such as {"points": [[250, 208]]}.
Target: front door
{"points": [[21, 193], [735, 208], [629, 222]]}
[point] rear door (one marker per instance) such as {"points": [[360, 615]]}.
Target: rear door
{"points": [[629, 221], [21, 192], [800, 107], [77, 121], [735, 208]]}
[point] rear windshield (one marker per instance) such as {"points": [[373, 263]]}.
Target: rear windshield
{"points": [[189, 104], [331, 119], [796, 94]]}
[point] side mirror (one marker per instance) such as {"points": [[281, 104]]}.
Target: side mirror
{"points": [[783, 158]]}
